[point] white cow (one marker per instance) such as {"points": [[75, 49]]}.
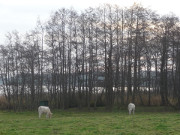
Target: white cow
{"points": [[131, 108], [46, 110]]}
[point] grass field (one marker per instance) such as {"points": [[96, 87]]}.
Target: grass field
{"points": [[146, 121]]}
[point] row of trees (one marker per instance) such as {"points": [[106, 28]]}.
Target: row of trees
{"points": [[101, 56]]}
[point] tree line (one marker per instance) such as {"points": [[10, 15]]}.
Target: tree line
{"points": [[105, 56]]}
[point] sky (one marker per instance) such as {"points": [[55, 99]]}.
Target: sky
{"points": [[22, 15]]}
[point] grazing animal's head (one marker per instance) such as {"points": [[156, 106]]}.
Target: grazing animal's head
{"points": [[50, 115]]}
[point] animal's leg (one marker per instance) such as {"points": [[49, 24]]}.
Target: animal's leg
{"points": [[39, 115]]}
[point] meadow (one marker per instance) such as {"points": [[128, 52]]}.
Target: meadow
{"points": [[146, 121]]}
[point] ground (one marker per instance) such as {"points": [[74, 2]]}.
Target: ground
{"points": [[146, 121]]}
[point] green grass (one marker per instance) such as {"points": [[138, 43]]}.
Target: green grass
{"points": [[146, 121]]}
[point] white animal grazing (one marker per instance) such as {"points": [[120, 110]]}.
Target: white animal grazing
{"points": [[131, 108], [46, 110]]}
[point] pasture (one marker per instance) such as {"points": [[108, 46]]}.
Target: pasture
{"points": [[146, 121]]}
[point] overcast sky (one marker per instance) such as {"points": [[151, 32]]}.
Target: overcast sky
{"points": [[21, 15]]}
